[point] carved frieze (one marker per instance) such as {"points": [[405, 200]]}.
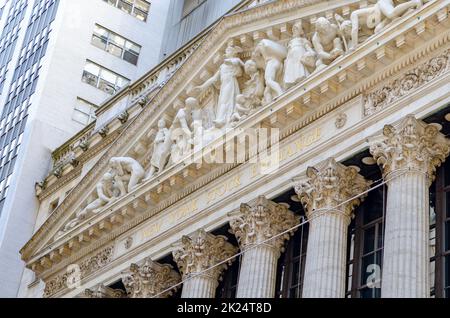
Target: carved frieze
{"points": [[409, 82], [78, 271]]}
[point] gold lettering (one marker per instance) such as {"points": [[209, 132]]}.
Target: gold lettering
{"points": [[151, 231]]}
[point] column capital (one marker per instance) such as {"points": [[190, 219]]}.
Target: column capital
{"points": [[103, 291], [328, 186], [260, 220], [410, 145], [150, 279], [202, 250]]}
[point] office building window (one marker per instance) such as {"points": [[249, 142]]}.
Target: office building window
{"points": [[103, 79], [24, 79], [191, 5], [137, 8], [115, 44], [84, 112]]}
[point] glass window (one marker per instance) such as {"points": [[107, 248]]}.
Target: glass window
{"points": [[84, 112], [102, 78], [440, 233], [291, 266], [365, 248], [116, 44], [136, 8], [228, 286], [191, 5]]}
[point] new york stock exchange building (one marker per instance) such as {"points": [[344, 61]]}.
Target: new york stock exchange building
{"points": [[295, 149]]}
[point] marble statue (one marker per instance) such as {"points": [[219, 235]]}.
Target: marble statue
{"points": [[300, 57], [273, 54], [376, 17], [345, 30], [107, 191], [197, 121], [161, 150], [127, 170], [326, 42], [254, 87], [227, 76], [181, 134], [242, 110], [252, 93]]}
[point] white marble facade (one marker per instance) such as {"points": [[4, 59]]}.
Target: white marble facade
{"points": [[333, 83]]}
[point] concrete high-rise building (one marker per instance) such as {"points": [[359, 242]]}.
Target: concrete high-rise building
{"points": [[59, 60]]}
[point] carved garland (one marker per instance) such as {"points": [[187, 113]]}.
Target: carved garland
{"points": [[86, 267], [409, 82]]}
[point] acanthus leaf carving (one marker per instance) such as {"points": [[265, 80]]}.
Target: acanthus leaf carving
{"points": [[411, 145], [331, 187], [150, 279], [261, 220], [410, 81], [201, 251]]}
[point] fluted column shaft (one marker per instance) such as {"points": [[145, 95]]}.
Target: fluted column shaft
{"points": [[406, 252], [202, 286], [258, 274], [408, 153], [325, 266], [258, 226], [329, 195]]}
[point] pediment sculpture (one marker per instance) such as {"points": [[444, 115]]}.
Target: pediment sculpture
{"points": [[245, 80]]}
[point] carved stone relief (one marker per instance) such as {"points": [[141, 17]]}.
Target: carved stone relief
{"points": [[412, 80]]}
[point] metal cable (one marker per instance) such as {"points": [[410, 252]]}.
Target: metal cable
{"points": [[282, 233]]}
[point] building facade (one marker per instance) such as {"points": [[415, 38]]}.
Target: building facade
{"points": [[60, 60], [294, 149]]}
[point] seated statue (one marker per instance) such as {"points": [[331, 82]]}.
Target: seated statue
{"points": [[326, 42]]}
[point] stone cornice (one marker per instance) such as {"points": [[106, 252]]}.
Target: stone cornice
{"points": [[85, 157], [284, 100]]}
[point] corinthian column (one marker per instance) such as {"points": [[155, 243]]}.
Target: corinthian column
{"points": [[408, 154], [197, 254], [150, 280], [256, 222], [328, 196]]}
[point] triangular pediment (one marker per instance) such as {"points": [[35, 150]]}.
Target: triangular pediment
{"points": [[223, 85]]}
